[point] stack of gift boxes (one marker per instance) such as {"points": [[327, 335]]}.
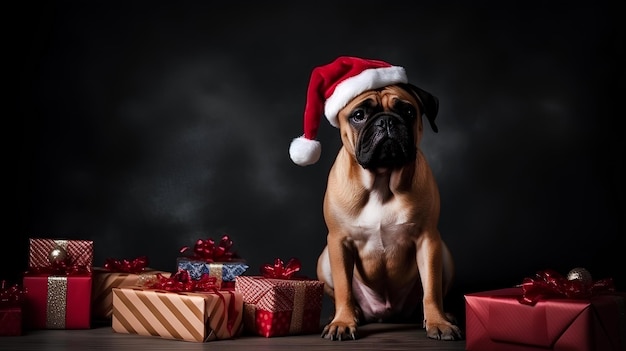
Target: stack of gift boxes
{"points": [[210, 297], [207, 297]]}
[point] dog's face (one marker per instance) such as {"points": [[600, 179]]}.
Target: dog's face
{"points": [[382, 128]]}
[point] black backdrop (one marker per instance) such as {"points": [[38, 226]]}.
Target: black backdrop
{"points": [[145, 125]]}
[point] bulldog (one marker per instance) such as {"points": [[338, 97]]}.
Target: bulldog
{"points": [[384, 259]]}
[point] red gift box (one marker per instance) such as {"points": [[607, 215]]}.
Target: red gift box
{"points": [[57, 302], [11, 299], [496, 320], [78, 252], [10, 321], [278, 307]]}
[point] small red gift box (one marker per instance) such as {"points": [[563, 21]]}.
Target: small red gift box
{"points": [[80, 252], [10, 321], [280, 306], [496, 320], [10, 310]]}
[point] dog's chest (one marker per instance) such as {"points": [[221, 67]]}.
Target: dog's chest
{"points": [[381, 225]]}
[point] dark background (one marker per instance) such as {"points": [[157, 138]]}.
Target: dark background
{"points": [[145, 125]]}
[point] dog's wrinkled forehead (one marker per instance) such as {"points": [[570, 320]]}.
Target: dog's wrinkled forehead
{"points": [[386, 98]]}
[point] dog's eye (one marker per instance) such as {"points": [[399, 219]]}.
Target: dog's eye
{"points": [[357, 115], [408, 111]]}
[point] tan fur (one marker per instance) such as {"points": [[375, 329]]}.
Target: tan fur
{"points": [[410, 245]]}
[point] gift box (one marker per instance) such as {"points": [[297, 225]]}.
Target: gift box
{"points": [[104, 280], [57, 302], [225, 272], [41, 251], [188, 316], [217, 259], [58, 284], [10, 321], [280, 304], [512, 319], [11, 298]]}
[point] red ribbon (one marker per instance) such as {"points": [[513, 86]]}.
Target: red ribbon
{"points": [[550, 284], [10, 296], [181, 281], [279, 270], [126, 266], [208, 251], [65, 267]]}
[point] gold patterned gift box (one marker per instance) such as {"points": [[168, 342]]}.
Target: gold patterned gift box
{"points": [[58, 284], [279, 307], [188, 316], [105, 280]]}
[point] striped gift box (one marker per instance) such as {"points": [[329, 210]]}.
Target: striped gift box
{"points": [[103, 283], [80, 252], [197, 317]]}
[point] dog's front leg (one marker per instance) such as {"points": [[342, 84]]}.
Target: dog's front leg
{"points": [[430, 264], [341, 259]]}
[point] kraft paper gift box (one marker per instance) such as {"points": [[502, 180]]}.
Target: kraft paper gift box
{"points": [[188, 316], [214, 258], [58, 284], [117, 273], [497, 320], [11, 298], [278, 304]]}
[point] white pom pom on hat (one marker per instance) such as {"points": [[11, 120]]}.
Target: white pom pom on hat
{"points": [[331, 88]]}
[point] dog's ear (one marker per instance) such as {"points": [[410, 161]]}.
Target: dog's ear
{"points": [[430, 104]]}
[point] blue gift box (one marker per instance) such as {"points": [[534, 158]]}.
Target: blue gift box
{"points": [[225, 272]]}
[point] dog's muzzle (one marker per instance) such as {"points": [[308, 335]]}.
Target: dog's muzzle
{"points": [[386, 141]]}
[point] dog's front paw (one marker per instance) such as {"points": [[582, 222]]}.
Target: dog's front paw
{"points": [[443, 330], [339, 330]]}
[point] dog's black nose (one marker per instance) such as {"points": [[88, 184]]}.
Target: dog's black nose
{"points": [[385, 123]]}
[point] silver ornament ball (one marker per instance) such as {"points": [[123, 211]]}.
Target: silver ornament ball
{"points": [[581, 274], [57, 254]]}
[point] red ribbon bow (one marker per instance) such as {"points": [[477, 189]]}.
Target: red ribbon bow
{"points": [[65, 267], [10, 295], [181, 281], [279, 270], [208, 251], [126, 266], [550, 284]]}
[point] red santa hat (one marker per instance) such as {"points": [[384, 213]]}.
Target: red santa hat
{"points": [[331, 88]]}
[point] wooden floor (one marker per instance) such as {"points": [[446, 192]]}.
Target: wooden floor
{"points": [[378, 337]]}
